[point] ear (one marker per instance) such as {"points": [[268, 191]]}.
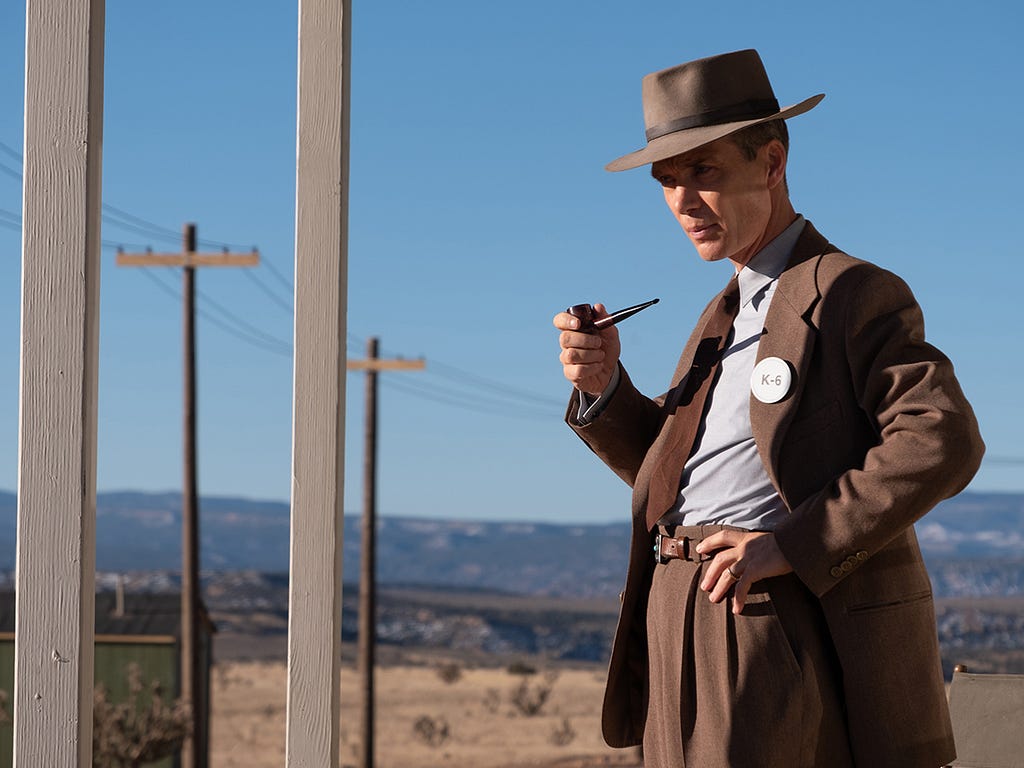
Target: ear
{"points": [[775, 153]]}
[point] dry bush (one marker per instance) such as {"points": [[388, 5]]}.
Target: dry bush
{"points": [[520, 668], [529, 699], [134, 731], [563, 734], [431, 730], [492, 700], [449, 673]]}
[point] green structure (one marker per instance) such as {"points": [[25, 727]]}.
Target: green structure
{"points": [[132, 629]]}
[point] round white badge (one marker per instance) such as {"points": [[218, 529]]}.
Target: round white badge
{"points": [[771, 379]]}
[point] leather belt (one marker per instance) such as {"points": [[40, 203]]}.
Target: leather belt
{"points": [[677, 548]]}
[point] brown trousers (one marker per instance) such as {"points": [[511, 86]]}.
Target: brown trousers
{"points": [[757, 690]]}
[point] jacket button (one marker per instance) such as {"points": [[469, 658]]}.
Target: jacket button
{"points": [[862, 555], [846, 566], [836, 572]]}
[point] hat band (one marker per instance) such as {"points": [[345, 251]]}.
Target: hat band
{"points": [[747, 110]]}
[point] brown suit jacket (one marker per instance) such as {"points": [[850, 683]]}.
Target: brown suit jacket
{"points": [[874, 432]]}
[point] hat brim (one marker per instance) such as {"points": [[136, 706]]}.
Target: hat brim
{"points": [[677, 143]]}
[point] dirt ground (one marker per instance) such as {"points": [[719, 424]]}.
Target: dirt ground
{"points": [[427, 716]]}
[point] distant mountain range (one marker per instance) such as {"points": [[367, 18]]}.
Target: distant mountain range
{"points": [[141, 532]]}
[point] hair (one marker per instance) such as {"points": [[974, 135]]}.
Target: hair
{"points": [[753, 137]]}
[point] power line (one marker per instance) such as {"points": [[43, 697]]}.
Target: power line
{"points": [[490, 396], [457, 374], [138, 229], [468, 403], [285, 282], [271, 294], [8, 149], [152, 228], [280, 277], [253, 337], [488, 403], [10, 172], [494, 387], [152, 277], [243, 324], [493, 400], [121, 219], [117, 245]]}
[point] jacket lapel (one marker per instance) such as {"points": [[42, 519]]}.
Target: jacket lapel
{"points": [[662, 468], [789, 334]]}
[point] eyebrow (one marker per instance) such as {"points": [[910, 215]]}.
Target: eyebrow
{"points": [[700, 159]]}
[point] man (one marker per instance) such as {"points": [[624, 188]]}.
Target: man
{"points": [[785, 618]]}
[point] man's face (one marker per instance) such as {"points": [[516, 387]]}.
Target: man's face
{"points": [[722, 200]]}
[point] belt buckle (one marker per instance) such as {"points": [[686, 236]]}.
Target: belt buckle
{"points": [[658, 559], [686, 550]]}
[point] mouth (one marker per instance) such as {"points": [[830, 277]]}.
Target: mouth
{"points": [[701, 231]]}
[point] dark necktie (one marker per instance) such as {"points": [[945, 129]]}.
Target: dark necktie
{"points": [[689, 404]]}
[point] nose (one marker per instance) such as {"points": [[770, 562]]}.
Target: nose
{"points": [[683, 199]]}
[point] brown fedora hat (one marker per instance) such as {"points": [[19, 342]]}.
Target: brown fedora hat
{"points": [[698, 102]]}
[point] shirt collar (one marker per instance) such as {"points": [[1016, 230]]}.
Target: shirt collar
{"points": [[768, 263]]}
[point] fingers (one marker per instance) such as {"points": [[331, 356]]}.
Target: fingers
{"points": [[726, 538], [580, 348], [732, 579], [585, 361], [741, 559], [564, 321], [725, 575], [588, 359]]}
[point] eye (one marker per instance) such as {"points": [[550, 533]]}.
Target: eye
{"points": [[702, 170], [665, 180]]}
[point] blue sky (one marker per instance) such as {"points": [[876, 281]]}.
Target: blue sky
{"points": [[480, 207]]}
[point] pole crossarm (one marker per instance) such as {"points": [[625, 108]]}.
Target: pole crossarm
{"points": [[395, 364], [188, 259]]}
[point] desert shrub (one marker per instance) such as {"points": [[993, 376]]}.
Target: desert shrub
{"points": [[520, 668], [431, 730], [529, 699], [449, 673], [492, 700], [136, 731], [563, 734]]}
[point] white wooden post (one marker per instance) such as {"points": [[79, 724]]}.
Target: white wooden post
{"points": [[321, 281], [59, 339]]}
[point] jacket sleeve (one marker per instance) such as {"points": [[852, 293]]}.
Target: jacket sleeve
{"points": [[623, 431], [928, 445]]}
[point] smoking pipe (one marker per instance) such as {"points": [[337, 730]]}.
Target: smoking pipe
{"points": [[585, 313]]}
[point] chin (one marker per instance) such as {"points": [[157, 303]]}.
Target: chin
{"points": [[710, 254]]}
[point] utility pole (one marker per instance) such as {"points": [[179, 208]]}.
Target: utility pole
{"points": [[195, 750], [368, 562]]}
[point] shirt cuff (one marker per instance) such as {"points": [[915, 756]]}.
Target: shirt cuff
{"points": [[590, 406]]}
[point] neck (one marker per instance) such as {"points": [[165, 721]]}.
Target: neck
{"points": [[782, 215]]}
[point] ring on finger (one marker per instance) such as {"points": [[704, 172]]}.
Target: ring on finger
{"points": [[733, 573]]}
